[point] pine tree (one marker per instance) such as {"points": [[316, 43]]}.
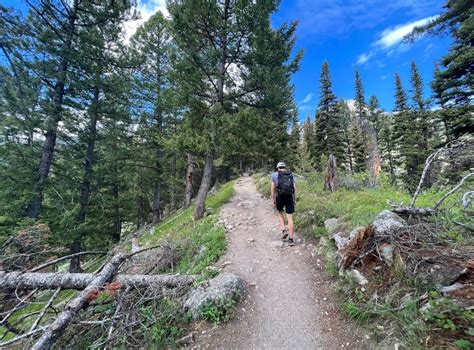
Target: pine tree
{"points": [[405, 136], [151, 46], [422, 116], [453, 86], [307, 145], [387, 146], [358, 147], [294, 141], [328, 129], [359, 97], [54, 31], [209, 38], [374, 114], [345, 117]]}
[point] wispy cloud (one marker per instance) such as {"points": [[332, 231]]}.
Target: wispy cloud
{"points": [[307, 98], [390, 40], [393, 36], [332, 18], [146, 9], [361, 59]]}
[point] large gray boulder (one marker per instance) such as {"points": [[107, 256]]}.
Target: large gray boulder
{"points": [[223, 287], [388, 223]]}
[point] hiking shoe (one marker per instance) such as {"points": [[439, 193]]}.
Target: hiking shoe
{"points": [[291, 243], [284, 234]]}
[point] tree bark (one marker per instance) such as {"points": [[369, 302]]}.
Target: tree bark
{"points": [[188, 192], [173, 188], [79, 281], [35, 207], [117, 220], [331, 180], [75, 263], [204, 187], [157, 203], [372, 161]]}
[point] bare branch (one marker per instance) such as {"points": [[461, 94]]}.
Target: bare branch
{"points": [[20, 337], [428, 162], [45, 309], [52, 262], [456, 188]]}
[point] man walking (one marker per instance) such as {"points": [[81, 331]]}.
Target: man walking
{"points": [[283, 196]]}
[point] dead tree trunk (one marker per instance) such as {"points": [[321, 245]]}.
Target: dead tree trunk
{"points": [[372, 161], [188, 192], [331, 180], [204, 188], [92, 284], [80, 281], [57, 328]]}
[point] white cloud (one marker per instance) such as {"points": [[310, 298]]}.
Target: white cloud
{"points": [[395, 35], [307, 98], [361, 59], [146, 9], [390, 40]]}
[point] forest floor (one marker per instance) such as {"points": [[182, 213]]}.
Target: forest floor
{"points": [[290, 303]]}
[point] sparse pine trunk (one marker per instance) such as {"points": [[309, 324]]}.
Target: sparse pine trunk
{"points": [[157, 203], [75, 264], [117, 220], [173, 187], [204, 187], [188, 192]]}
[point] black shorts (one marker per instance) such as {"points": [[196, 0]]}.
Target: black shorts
{"points": [[285, 201]]}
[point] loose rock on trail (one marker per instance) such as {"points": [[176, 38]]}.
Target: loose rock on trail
{"points": [[290, 304]]}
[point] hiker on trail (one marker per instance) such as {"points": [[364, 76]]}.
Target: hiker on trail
{"points": [[283, 196]]}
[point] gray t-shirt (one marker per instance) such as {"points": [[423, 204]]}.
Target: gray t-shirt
{"points": [[275, 178]]}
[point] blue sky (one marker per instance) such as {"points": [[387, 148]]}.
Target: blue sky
{"points": [[361, 34], [350, 34]]}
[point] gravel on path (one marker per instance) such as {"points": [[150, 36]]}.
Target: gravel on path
{"points": [[290, 304]]}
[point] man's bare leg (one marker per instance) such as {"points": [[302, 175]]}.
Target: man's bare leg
{"points": [[281, 219], [291, 229]]}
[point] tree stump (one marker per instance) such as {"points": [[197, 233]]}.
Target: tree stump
{"points": [[331, 180]]}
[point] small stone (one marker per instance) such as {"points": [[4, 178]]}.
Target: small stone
{"points": [[360, 279], [186, 340], [226, 263], [378, 268], [251, 240]]}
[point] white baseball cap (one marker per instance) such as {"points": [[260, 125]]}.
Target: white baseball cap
{"points": [[281, 165]]}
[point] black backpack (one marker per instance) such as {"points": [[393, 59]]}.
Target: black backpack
{"points": [[285, 183]]}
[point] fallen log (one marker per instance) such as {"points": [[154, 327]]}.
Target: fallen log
{"points": [[407, 211], [79, 281]]}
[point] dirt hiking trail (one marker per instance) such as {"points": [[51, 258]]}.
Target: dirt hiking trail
{"points": [[289, 304]]}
